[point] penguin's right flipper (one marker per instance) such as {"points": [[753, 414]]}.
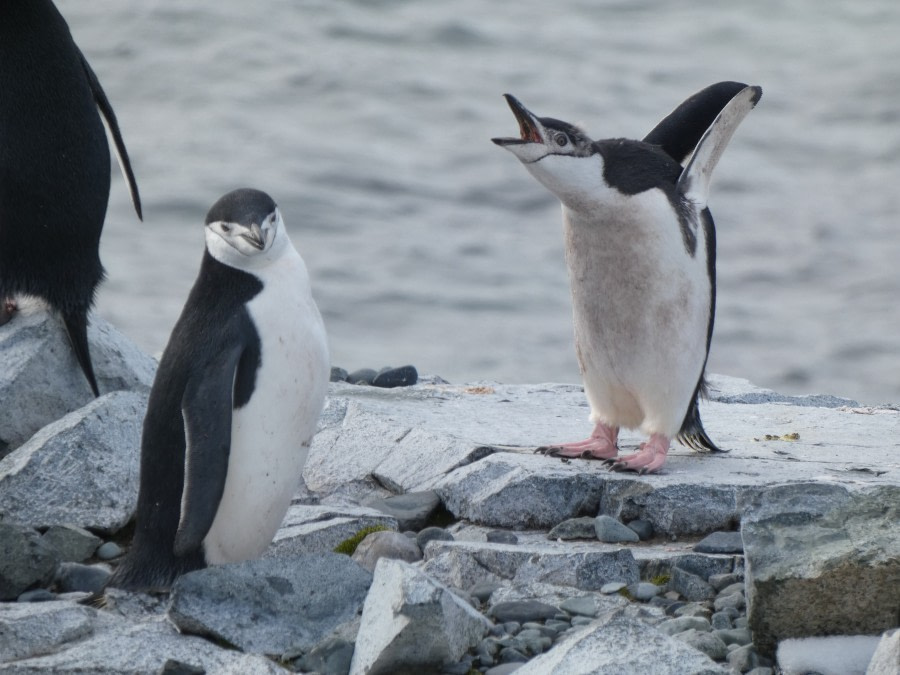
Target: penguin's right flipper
{"points": [[109, 116], [76, 327], [207, 411], [693, 183], [681, 130]]}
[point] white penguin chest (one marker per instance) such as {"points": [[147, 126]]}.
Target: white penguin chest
{"points": [[271, 433]]}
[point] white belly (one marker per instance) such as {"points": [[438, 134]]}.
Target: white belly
{"points": [[271, 434], [641, 310]]}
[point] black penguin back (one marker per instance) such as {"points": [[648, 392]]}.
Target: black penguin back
{"points": [[214, 316]]}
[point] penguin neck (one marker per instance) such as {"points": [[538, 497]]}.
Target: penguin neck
{"points": [[576, 181]]}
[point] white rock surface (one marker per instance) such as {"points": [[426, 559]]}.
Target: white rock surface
{"points": [[80, 470], [837, 655], [320, 528], [886, 659], [41, 381], [410, 623], [32, 629]]}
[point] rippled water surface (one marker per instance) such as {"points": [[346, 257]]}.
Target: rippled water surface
{"points": [[369, 123]]}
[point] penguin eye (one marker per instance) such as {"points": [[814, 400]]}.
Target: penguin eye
{"points": [[226, 228], [561, 139]]}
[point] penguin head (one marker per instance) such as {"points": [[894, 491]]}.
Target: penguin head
{"points": [[557, 153], [244, 229]]}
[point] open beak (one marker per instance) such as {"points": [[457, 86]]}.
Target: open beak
{"points": [[255, 237], [528, 124]]}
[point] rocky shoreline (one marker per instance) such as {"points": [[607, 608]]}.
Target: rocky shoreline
{"points": [[489, 558]]}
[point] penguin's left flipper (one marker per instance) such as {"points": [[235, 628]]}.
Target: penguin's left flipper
{"points": [[109, 116], [693, 183], [207, 411]]}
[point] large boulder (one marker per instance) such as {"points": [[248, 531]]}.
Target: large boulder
{"points": [[411, 623], [271, 605], [80, 470], [41, 381], [821, 560], [32, 629]]}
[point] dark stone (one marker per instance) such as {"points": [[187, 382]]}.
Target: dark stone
{"points": [[71, 543], [483, 590], [611, 531], [521, 611], [331, 657], [72, 576], [501, 537], [404, 376], [690, 586], [338, 374], [412, 510], [25, 560], [173, 667], [574, 528], [642, 528], [512, 655], [432, 534], [720, 542], [362, 376], [37, 595]]}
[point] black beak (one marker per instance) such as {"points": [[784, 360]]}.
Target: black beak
{"points": [[255, 237], [528, 128]]}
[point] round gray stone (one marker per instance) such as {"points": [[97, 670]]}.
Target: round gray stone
{"points": [[583, 605], [432, 534], [706, 642], [109, 551], [521, 611], [386, 544], [574, 528], [720, 543], [611, 531], [77, 577], [643, 528], [644, 590], [612, 587]]}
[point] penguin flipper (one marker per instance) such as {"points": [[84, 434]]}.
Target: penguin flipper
{"points": [[207, 411], [680, 131], [693, 183], [76, 326], [109, 116]]}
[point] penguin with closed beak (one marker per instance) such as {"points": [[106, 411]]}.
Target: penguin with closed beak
{"points": [[234, 405], [641, 255]]}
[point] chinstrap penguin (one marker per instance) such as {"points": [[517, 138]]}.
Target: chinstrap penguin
{"points": [[640, 250], [235, 402], [54, 169]]}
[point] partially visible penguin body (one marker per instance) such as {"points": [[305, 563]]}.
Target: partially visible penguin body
{"points": [[54, 169], [640, 249], [234, 405]]}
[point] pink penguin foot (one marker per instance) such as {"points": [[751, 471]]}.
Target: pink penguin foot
{"points": [[601, 445], [650, 458], [8, 307]]}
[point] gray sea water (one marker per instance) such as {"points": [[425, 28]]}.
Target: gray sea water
{"points": [[370, 124]]}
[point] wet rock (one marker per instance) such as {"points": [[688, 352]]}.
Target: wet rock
{"points": [[81, 470], [71, 543], [25, 560], [41, 381], [271, 605], [386, 544], [611, 531], [720, 542], [404, 611], [810, 548]]}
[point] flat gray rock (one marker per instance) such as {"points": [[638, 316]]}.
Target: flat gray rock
{"points": [[25, 559], [411, 510], [386, 544], [412, 623], [320, 528], [617, 643], [41, 381], [886, 659], [32, 629], [812, 549], [462, 563], [123, 648], [80, 470], [72, 543], [271, 605], [720, 542], [612, 531], [574, 528]]}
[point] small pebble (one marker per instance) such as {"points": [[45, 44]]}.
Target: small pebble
{"points": [[720, 581], [503, 669], [432, 534], [338, 374], [721, 621], [583, 605], [691, 586], [694, 609], [740, 636], [173, 667], [611, 531], [644, 590], [36, 595], [483, 590], [720, 542], [643, 528], [109, 550], [740, 622], [512, 627], [581, 620], [612, 587], [501, 537], [542, 629], [510, 655], [404, 376], [737, 587], [362, 376], [735, 601], [674, 607], [461, 668], [706, 642], [682, 624], [743, 658], [557, 625], [661, 601], [77, 577], [574, 528], [562, 616]]}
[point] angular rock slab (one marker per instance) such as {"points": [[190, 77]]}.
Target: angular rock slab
{"points": [[41, 381], [319, 528], [32, 629], [617, 643], [271, 605], [122, 648], [80, 470], [25, 560], [886, 659], [462, 563], [821, 560], [411, 623]]}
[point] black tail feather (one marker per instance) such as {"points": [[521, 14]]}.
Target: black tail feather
{"points": [[76, 326], [692, 433]]}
